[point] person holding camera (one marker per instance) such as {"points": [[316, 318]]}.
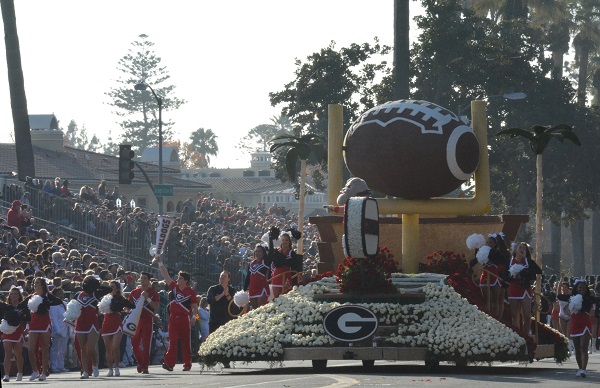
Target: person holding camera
{"points": [[219, 296]]}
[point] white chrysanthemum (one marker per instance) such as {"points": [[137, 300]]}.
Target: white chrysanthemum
{"points": [[475, 241], [73, 310], [241, 298], [104, 304], [34, 303], [483, 255], [516, 269], [575, 303], [6, 328]]}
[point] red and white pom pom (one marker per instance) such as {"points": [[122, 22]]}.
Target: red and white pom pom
{"points": [[483, 255], [34, 303], [241, 298], [575, 303], [516, 269], [475, 241], [6, 328], [73, 310], [104, 304]]}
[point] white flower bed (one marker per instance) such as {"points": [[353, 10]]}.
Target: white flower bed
{"points": [[445, 323]]}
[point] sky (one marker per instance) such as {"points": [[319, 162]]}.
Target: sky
{"points": [[224, 57]]}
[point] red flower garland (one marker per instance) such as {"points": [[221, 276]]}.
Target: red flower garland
{"points": [[368, 276]]}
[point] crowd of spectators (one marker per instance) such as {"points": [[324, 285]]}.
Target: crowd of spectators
{"points": [[210, 233]]}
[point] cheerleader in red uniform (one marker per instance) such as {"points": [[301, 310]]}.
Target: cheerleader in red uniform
{"points": [[87, 326], [580, 304], [284, 261], [523, 271], [40, 326], [112, 306], [495, 265], [257, 281], [13, 341]]}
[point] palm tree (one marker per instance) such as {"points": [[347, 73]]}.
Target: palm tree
{"points": [[586, 39], [299, 148], [539, 136], [18, 99], [204, 141]]}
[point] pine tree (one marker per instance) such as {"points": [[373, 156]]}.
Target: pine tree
{"points": [[138, 110]]}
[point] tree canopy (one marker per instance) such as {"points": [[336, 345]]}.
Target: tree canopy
{"points": [[138, 110]]}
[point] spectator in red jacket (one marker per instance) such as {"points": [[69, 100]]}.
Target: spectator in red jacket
{"points": [[14, 216]]}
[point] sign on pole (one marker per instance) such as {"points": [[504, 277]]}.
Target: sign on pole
{"points": [[163, 190]]}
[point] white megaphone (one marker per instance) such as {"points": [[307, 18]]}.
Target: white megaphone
{"points": [[152, 250]]}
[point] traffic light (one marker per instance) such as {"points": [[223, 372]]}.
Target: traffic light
{"points": [[126, 163]]}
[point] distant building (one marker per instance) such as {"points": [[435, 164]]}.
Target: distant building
{"points": [[53, 159], [255, 184]]}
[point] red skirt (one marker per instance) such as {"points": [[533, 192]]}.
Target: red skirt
{"points": [[279, 281], [517, 292], [580, 323], [87, 321], [112, 324], [17, 336], [40, 323], [494, 280]]}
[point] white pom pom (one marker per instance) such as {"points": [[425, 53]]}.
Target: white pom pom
{"points": [[265, 239], [104, 304], [516, 269], [34, 303], [483, 255], [575, 303], [241, 298], [475, 241], [73, 310], [6, 328]]}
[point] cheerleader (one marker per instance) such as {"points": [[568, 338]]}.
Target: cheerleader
{"points": [[580, 304], [87, 327], [494, 264], [257, 283], [112, 306], [12, 339], [564, 315], [40, 326], [285, 260], [523, 271]]}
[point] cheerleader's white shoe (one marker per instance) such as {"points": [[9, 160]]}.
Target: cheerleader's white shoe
{"points": [[19, 376], [117, 372], [6, 378]]}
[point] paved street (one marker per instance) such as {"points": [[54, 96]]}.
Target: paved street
{"points": [[343, 374]]}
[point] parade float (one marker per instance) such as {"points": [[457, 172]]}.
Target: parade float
{"points": [[373, 306]]}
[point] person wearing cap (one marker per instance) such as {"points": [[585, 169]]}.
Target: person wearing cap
{"points": [[14, 216], [182, 316]]}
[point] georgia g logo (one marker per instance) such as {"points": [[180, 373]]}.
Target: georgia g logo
{"points": [[350, 323]]}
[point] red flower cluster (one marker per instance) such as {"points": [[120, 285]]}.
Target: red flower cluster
{"points": [[368, 276], [446, 262]]}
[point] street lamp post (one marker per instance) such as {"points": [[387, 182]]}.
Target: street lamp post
{"points": [[508, 96], [144, 86]]}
